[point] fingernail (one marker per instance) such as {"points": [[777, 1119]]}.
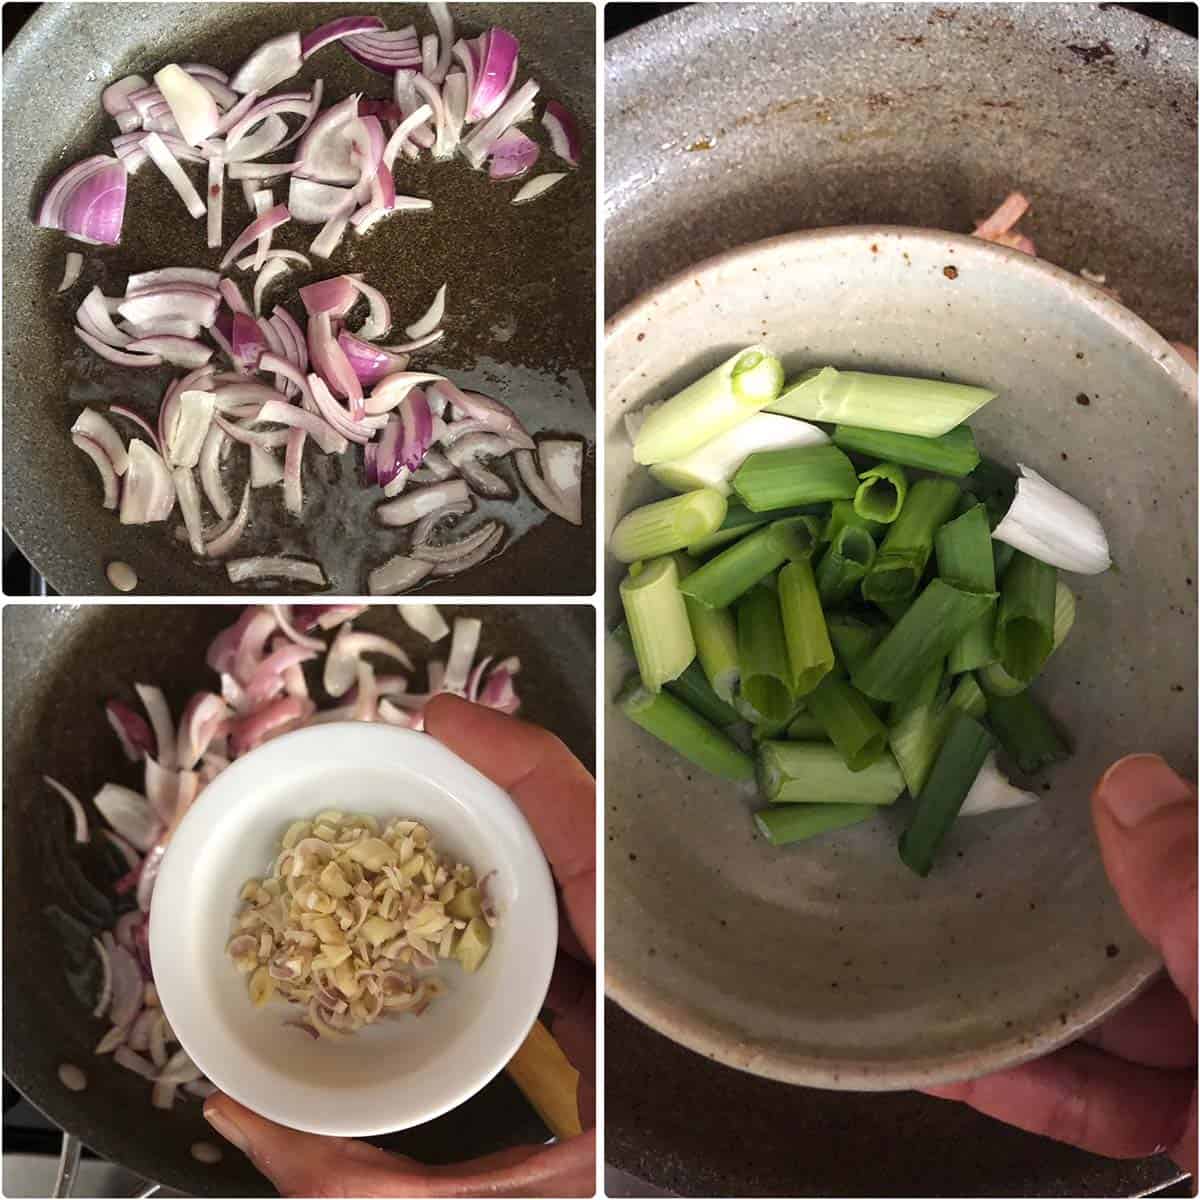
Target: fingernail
{"points": [[1139, 786], [226, 1128]]}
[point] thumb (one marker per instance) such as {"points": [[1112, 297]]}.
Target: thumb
{"points": [[306, 1164], [1145, 817]]}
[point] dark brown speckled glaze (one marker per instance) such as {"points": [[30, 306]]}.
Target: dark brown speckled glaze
{"points": [[840, 115], [61, 662], [521, 297]]}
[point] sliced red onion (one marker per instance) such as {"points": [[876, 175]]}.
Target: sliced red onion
{"points": [[77, 813], [326, 242], [387, 51], [159, 713], [91, 424], [146, 882], [250, 437], [435, 467], [116, 356], [259, 172], [186, 301], [248, 570], [564, 133], [335, 296], [87, 201], [369, 363], [139, 1031], [229, 537], [380, 319], [385, 464], [287, 257], [161, 789], [465, 455], [192, 104], [247, 340], [416, 423], [390, 391], [414, 121], [412, 507], [332, 411], [183, 352], [561, 463], [335, 30], [263, 199], [445, 32], [269, 220], [204, 71], [432, 318], [201, 719], [209, 465], [148, 494], [184, 436], [478, 144], [134, 1062], [169, 166], [265, 470], [270, 272], [148, 281], [127, 989], [493, 414], [455, 98], [325, 149], [254, 112], [293, 494], [312, 202], [128, 813], [466, 553], [71, 269], [188, 496], [179, 1069], [216, 200], [115, 98], [286, 323], [265, 139], [328, 438], [443, 147], [512, 155], [416, 344], [94, 318], [341, 663], [429, 55], [424, 529], [119, 410], [275, 60], [108, 477], [535, 187], [398, 484], [494, 75], [330, 362], [563, 506], [134, 734], [498, 692]]}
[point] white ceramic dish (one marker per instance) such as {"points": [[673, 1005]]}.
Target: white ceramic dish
{"points": [[394, 1074]]}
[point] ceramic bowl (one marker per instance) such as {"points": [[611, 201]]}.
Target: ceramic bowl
{"points": [[829, 963], [393, 1074]]}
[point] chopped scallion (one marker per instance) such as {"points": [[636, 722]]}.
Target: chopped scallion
{"points": [[779, 478], [658, 622], [814, 773], [667, 525], [953, 453], [900, 563], [784, 824], [880, 495]]}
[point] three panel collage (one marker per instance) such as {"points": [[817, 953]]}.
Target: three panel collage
{"points": [[599, 599]]}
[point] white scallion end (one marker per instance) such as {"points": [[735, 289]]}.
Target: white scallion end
{"points": [[1047, 524], [991, 792]]}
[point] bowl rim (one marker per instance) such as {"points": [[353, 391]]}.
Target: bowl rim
{"points": [[425, 755], [723, 1042]]}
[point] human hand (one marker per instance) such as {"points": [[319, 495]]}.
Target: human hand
{"points": [[1127, 1088], [558, 798]]}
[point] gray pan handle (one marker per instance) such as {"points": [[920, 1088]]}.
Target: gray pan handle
{"points": [[68, 1166]]}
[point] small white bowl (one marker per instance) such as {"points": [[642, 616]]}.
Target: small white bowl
{"points": [[393, 1074]]}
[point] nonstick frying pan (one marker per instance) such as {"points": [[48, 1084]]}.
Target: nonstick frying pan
{"points": [[60, 663], [730, 123], [521, 286]]}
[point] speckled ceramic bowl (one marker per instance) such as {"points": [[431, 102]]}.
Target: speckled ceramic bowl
{"points": [[829, 963]]}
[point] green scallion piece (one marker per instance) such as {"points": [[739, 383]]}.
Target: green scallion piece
{"points": [[918, 725], [926, 408], [815, 773], [922, 637], [671, 721], [667, 525], [1027, 733], [1025, 617], [762, 654], [854, 638], [784, 824], [739, 521], [844, 565], [741, 386], [996, 487], [805, 475], [658, 622], [1002, 556], [900, 563], [849, 721], [842, 515], [809, 653], [880, 495], [954, 453], [958, 763], [715, 636], [726, 576], [804, 727], [964, 558], [996, 681]]}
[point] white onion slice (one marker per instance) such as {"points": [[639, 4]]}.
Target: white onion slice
{"points": [[275, 60], [445, 32], [432, 318], [211, 453], [401, 133], [80, 817], [247, 570], [97, 427], [169, 166], [216, 200], [185, 438], [191, 103], [425, 619], [398, 574], [271, 271], [71, 269], [188, 496], [181, 351], [535, 187], [380, 319], [229, 537], [312, 202], [129, 814], [149, 493], [478, 144], [412, 507], [108, 477], [146, 281]]}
